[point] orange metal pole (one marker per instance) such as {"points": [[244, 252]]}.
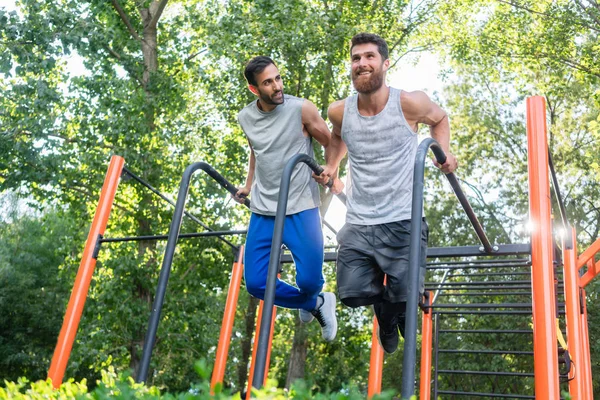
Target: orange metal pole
{"points": [[587, 277], [573, 315], [376, 363], [255, 347], [85, 273], [426, 347], [586, 368], [544, 310], [228, 320], [589, 253]]}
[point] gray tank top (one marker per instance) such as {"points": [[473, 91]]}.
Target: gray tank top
{"points": [[276, 137], [381, 156]]}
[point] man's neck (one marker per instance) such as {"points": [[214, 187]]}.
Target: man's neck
{"points": [[370, 104], [265, 107]]}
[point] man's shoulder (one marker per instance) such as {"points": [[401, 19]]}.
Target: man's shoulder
{"points": [[247, 109], [293, 100], [335, 112]]}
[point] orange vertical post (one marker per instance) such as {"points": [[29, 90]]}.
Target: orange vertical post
{"points": [[376, 363], [255, 347], [426, 347], [573, 316], [542, 277], [228, 320], [85, 273], [586, 368]]}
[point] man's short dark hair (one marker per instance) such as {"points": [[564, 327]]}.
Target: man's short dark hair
{"points": [[362, 38], [255, 67]]}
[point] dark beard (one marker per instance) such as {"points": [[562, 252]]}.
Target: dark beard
{"points": [[269, 100], [370, 86]]}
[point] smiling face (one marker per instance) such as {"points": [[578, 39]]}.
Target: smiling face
{"points": [[269, 87], [368, 68]]}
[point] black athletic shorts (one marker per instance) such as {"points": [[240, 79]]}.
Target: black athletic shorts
{"points": [[367, 253]]}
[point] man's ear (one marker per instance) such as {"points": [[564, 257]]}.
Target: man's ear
{"points": [[386, 65], [253, 89]]}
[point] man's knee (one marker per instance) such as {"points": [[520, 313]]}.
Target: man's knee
{"points": [[256, 287], [310, 284]]}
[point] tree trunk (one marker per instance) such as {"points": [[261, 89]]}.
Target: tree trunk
{"points": [[297, 364], [249, 322]]}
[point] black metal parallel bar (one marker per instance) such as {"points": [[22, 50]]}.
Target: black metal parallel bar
{"points": [[274, 262], [171, 202], [488, 373], [165, 270], [496, 352], [412, 301], [470, 213], [181, 236], [331, 228], [482, 261], [561, 204], [488, 395]]}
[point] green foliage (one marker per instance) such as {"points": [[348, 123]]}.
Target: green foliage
{"points": [[121, 386], [34, 289]]}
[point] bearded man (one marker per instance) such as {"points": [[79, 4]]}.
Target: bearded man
{"points": [[378, 128], [279, 126]]}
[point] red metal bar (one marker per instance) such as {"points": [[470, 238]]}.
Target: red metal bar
{"points": [[85, 273], [589, 253], [228, 320], [255, 347], [586, 368], [544, 310], [426, 347], [376, 363], [573, 316]]}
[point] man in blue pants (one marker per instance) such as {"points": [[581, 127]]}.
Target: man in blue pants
{"points": [[277, 127]]}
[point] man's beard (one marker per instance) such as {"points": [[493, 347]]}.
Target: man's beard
{"points": [[371, 85], [270, 100]]}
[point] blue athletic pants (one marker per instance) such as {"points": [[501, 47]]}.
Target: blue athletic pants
{"points": [[303, 236]]}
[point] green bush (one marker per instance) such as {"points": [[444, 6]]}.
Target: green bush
{"points": [[122, 386]]}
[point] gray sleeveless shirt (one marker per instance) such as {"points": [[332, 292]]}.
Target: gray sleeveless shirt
{"points": [[381, 156], [275, 137]]}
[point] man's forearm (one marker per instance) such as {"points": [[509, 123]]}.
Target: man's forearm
{"points": [[335, 152]]}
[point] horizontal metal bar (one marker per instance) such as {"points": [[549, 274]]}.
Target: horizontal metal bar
{"points": [[487, 373], [436, 287], [486, 294], [480, 394], [486, 331], [476, 266], [466, 251], [466, 312], [482, 261], [164, 237], [499, 352], [507, 273], [481, 283], [481, 305]]}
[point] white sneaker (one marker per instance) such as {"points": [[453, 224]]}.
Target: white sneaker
{"points": [[326, 316], [306, 316]]}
